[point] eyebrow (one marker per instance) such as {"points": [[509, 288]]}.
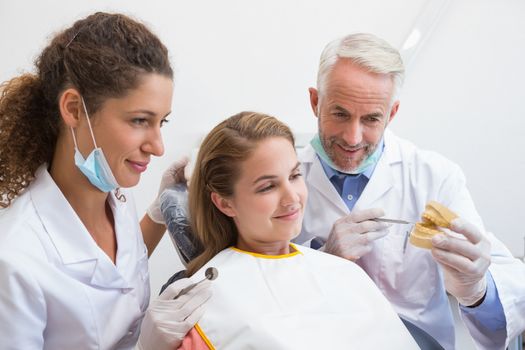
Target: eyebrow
{"points": [[376, 114], [271, 177], [145, 111]]}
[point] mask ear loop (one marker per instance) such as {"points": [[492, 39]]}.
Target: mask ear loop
{"points": [[89, 123]]}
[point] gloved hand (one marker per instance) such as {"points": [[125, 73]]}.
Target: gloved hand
{"points": [[168, 320], [174, 174], [352, 235], [464, 261]]}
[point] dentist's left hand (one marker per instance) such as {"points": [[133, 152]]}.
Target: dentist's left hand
{"points": [[464, 261], [173, 175]]}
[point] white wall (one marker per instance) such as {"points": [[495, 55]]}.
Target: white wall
{"points": [[463, 95]]}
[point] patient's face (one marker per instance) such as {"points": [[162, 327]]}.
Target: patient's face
{"points": [[269, 197]]}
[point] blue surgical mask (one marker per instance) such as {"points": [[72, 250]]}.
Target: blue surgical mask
{"points": [[365, 164], [95, 167]]}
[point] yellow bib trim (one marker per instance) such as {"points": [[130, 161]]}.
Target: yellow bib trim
{"points": [[204, 337], [264, 256]]}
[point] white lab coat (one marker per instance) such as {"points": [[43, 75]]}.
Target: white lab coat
{"points": [[404, 180], [59, 290]]}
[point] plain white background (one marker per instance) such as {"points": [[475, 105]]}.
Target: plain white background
{"points": [[463, 96]]}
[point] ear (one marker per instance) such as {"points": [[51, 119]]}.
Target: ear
{"points": [[71, 109], [223, 204], [314, 100], [393, 111]]}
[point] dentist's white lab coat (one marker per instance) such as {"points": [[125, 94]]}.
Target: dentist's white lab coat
{"points": [[59, 290], [404, 180]]}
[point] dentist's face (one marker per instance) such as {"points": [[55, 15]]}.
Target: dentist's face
{"points": [[353, 111], [269, 197]]}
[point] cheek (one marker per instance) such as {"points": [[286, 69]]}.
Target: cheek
{"points": [[373, 135]]}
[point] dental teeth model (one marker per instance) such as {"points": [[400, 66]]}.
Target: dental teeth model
{"points": [[434, 215]]}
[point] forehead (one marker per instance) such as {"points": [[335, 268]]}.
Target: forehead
{"points": [[153, 92], [350, 81], [271, 156]]}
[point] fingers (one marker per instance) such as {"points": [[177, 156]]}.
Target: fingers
{"points": [[457, 245], [177, 169], [193, 299], [374, 235], [458, 263], [470, 231], [173, 289], [365, 214]]}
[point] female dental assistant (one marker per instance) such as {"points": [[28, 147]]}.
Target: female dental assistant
{"points": [[73, 262]]}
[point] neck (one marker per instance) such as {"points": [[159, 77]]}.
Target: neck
{"points": [[264, 248], [87, 201]]}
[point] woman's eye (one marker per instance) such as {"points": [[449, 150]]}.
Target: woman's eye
{"points": [[265, 189], [296, 176], [163, 121], [139, 121]]}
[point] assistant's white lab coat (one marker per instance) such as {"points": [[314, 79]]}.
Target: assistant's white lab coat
{"points": [[59, 290], [404, 180]]}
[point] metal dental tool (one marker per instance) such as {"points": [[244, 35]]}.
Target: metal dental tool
{"points": [[211, 273], [392, 221]]}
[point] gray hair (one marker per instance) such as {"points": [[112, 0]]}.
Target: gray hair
{"points": [[366, 50]]}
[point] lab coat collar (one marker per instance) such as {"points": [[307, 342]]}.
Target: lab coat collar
{"points": [[79, 254], [381, 180], [318, 179]]}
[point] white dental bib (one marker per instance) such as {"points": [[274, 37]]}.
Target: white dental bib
{"points": [[303, 300]]}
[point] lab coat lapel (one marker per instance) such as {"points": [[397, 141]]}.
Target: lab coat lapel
{"points": [[382, 179], [80, 257], [319, 182]]}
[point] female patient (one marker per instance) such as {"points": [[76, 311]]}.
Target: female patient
{"points": [[247, 198]]}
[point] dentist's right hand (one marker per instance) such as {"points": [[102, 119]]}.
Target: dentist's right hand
{"points": [[168, 320], [352, 235]]}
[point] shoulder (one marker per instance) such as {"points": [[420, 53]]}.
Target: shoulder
{"points": [[18, 224], [418, 159]]}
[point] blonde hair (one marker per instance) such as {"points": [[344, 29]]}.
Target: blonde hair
{"points": [[217, 170], [366, 50]]}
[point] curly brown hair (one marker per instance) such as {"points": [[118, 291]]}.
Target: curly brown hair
{"points": [[102, 56]]}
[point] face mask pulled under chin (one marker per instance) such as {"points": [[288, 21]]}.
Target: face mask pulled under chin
{"points": [[365, 164], [95, 167]]}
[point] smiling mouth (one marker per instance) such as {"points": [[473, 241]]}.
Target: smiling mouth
{"points": [[351, 151], [289, 216], [138, 166]]}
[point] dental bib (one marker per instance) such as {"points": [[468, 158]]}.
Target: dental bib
{"points": [[303, 300]]}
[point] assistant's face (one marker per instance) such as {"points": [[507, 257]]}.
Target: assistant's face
{"points": [[128, 128], [353, 111], [269, 196]]}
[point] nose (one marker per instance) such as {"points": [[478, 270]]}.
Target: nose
{"points": [[290, 196], [154, 144], [353, 132]]}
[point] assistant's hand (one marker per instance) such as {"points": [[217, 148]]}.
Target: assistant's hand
{"points": [[174, 174], [464, 261], [352, 235], [168, 320]]}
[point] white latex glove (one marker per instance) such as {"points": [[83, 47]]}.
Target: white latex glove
{"points": [[168, 320], [352, 235], [464, 261], [174, 174]]}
